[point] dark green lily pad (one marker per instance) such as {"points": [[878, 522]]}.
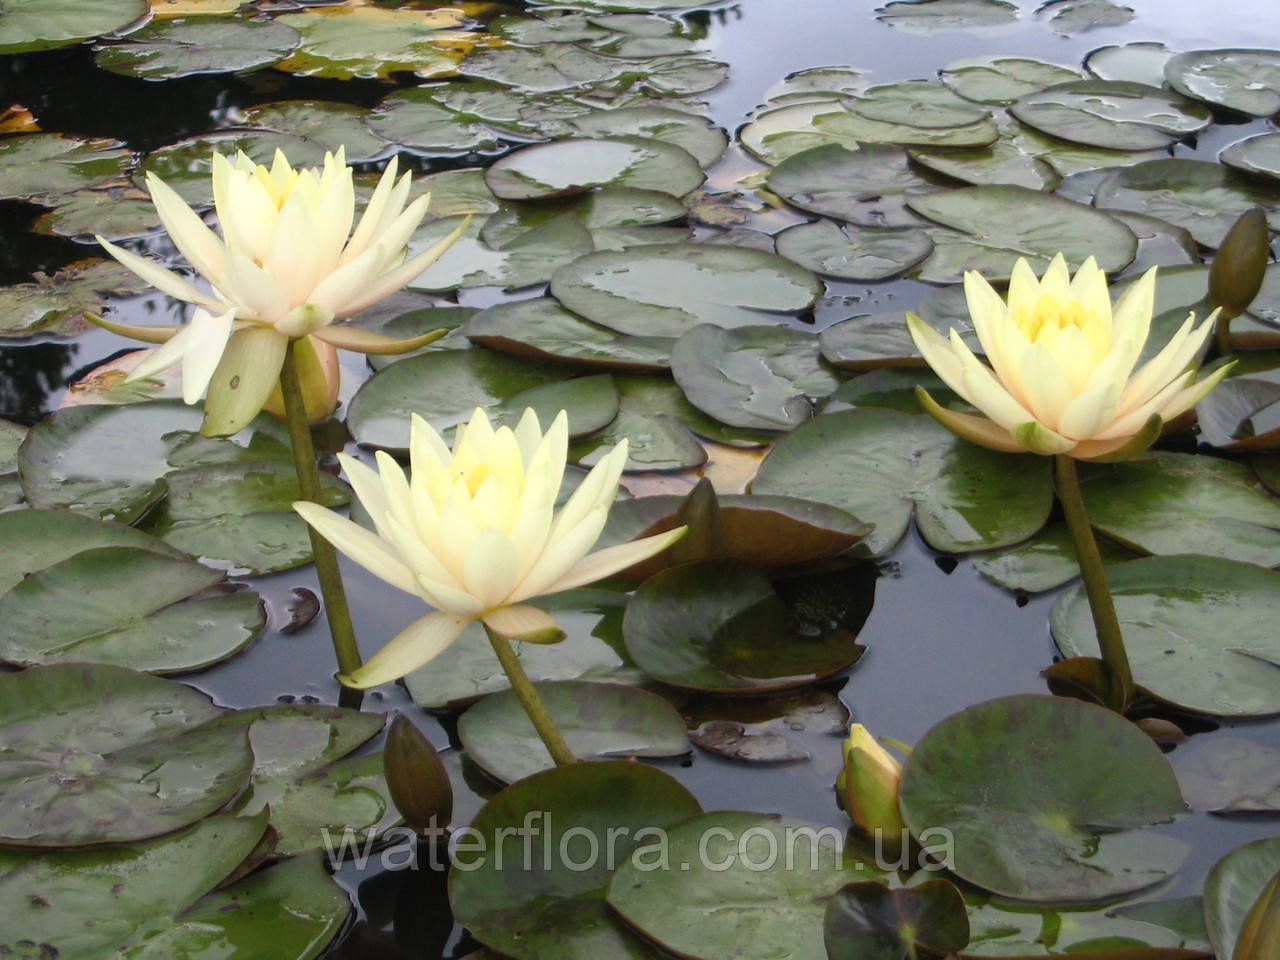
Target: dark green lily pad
{"points": [[1258, 155], [747, 885], [1241, 414], [1226, 774], [57, 304], [1069, 17], [1182, 503], [128, 606], [447, 386], [1045, 798], [882, 466], [564, 67], [1205, 198], [1247, 81], [597, 720], [544, 330], [116, 211], [702, 139], [1001, 80], [719, 626], [756, 378], [665, 289], [102, 754], [991, 241], [11, 437], [1160, 244], [763, 729], [1141, 62], [417, 119], [552, 908], [327, 122], [30, 25], [182, 47], [894, 388], [880, 340], [1045, 562], [42, 166], [1232, 888], [596, 210], [1198, 631], [867, 186], [864, 254], [565, 167], [1113, 114], [869, 921], [593, 650], [915, 103], [187, 165], [1002, 163], [530, 258], [939, 16]]}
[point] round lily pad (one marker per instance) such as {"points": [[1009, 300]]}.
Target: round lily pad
{"points": [[1205, 198], [31, 25], [867, 186], [102, 754], [1045, 798], [743, 885], [1045, 562], [1197, 629], [1233, 886], [1069, 17], [702, 139], [1247, 81], [938, 16], [665, 289], [597, 720], [1258, 155], [757, 378], [329, 123], [1001, 80], [596, 210], [1141, 62], [882, 466], [869, 921], [549, 904], [719, 626], [877, 340], [182, 47], [564, 67], [864, 254], [416, 119], [572, 166], [1114, 114], [764, 729], [116, 212], [532, 257], [916, 103], [1004, 162], [41, 166]]}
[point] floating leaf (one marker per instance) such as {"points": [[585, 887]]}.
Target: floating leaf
{"points": [[1045, 562], [530, 258], [915, 103], [1045, 799], [1258, 155], [1135, 62], [168, 49], [867, 186], [1069, 17], [1247, 81], [1002, 163], [882, 465], [764, 729], [665, 289], [1113, 114], [597, 210], [1002, 80], [537, 908], [57, 304], [864, 254], [102, 754], [187, 165], [116, 211], [704, 141], [1226, 774], [41, 166], [868, 921], [879, 340], [328, 123], [597, 720], [1232, 888], [939, 16], [30, 25], [571, 166], [1197, 630], [564, 67]]}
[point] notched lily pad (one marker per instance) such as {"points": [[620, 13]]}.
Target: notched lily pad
{"points": [[31, 25], [1113, 114], [1258, 155], [867, 186], [940, 16], [57, 304], [42, 166], [571, 166], [1247, 81], [181, 47], [1001, 80], [543, 330], [764, 729], [532, 257], [852, 253]]}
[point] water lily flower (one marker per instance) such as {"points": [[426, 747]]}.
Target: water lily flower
{"points": [[287, 265], [474, 533], [1061, 378], [869, 787]]}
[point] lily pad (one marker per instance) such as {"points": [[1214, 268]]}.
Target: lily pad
{"points": [[702, 139], [665, 289], [882, 466], [1045, 562], [915, 103], [869, 921], [1247, 81], [417, 119], [1001, 163], [867, 186], [597, 720], [756, 378], [990, 241], [747, 885], [31, 25], [1205, 198], [57, 304], [181, 47], [764, 729], [1001, 80], [1226, 774], [593, 650], [571, 166], [596, 210], [42, 166], [1141, 62], [530, 258], [543, 330], [864, 254], [564, 67], [1258, 155], [1069, 17], [1183, 503], [1232, 888], [1046, 799], [329, 123], [545, 906], [1113, 114], [878, 340], [940, 16], [114, 210], [719, 626], [102, 754], [1197, 630]]}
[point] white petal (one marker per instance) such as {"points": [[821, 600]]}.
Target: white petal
{"points": [[562, 554], [491, 569], [606, 562], [421, 641], [365, 548], [190, 235], [1084, 416], [166, 281], [200, 358], [254, 289]]}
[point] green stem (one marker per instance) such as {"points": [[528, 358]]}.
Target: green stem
{"points": [[530, 700], [1222, 332], [1106, 623], [304, 462]]}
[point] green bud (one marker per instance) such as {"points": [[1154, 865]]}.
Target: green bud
{"points": [[1240, 264], [416, 777], [1259, 937]]}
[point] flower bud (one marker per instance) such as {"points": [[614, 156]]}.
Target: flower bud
{"points": [[1240, 264], [319, 376], [1259, 937], [416, 777], [870, 787]]}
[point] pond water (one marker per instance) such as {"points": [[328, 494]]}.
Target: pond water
{"points": [[939, 636]]}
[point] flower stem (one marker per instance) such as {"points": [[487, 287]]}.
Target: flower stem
{"points": [[304, 462], [529, 699], [1105, 621]]}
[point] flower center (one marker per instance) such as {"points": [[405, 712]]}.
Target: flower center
{"points": [[1051, 317]]}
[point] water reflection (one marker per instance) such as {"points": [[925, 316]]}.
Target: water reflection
{"points": [[32, 378]]}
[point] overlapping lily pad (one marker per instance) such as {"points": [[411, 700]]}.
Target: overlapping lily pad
{"points": [[1113, 114], [572, 166], [1197, 629], [102, 754], [597, 210], [916, 103], [115, 210], [532, 257], [1046, 561], [182, 47], [329, 123], [851, 253], [764, 729], [597, 720], [57, 304], [1258, 155], [1069, 17], [665, 289], [1229, 774], [869, 921], [939, 16], [187, 165], [544, 330], [41, 166], [883, 465], [552, 907], [867, 185], [1004, 162], [30, 25], [1245, 80], [704, 141], [1045, 798], [555, 67], [1001, 79], [1140, 62]]}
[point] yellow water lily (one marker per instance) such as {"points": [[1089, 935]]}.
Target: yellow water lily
{"points": [[474, 533], [287, 265], [868, 785], [1061, 378]]}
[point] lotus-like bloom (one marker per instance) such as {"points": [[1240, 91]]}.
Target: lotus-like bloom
{"points": [[474, 532], [288, 264], [1061, 378]]}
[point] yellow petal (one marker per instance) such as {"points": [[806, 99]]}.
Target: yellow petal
{"points": [[166, 281], [1086, 415], [159, 333], [973, 428], [607, 562], [421, 641], [244, 379], [354, 541], [1038, 438], [524, 623], [491, 568], [203, 351]]}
